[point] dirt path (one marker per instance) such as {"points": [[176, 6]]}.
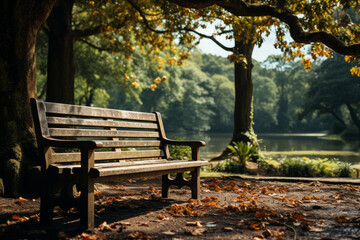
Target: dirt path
{"points": [[229, 209]]}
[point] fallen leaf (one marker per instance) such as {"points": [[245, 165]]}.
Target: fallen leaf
{"points": [[87, 236], [256, 226], [267, 233], [316, 229], [194, 224], [342, 219], [139, 235], [104, 227], [169, 233], [120, 223], [197, 231], [163, 218], [144, 224], [21, 201], [257, 237]]}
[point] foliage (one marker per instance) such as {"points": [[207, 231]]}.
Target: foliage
{"points": [[293, 167], [244, 151], [334, 91], [305, 167], [230, 166], [180, 152]]}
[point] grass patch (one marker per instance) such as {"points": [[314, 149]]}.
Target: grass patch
{"points": [[292, 167], [318, 167]]}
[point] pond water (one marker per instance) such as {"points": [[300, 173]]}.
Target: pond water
{"points": [[217, 142]]}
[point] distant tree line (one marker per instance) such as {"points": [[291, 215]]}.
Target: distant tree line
{"points": [[199, 96]]}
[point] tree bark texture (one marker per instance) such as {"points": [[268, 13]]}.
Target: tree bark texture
{"points": [[243, 94], [61, 69], [21, 21]]}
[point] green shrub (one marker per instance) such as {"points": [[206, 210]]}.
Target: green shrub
{"points": [[180, 152], [268, 166], [305, 167], [230, 166]]}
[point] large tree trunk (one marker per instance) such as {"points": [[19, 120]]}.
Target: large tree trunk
{"points": [[61, 70], [243, 94], [243, 119], [20, 21]]}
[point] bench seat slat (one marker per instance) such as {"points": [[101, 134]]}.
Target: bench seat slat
{"points": [[62, 132], [75, 157], [59, 168], [74, 110], [99, 123], [169, 165]]}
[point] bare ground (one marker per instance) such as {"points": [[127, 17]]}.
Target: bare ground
{"points": [[230, 208]]}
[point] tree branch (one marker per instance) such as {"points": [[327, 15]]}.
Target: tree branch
{"points": [[86, 32], [212, 38], [145, 19], [97, 47], [240, 8]]}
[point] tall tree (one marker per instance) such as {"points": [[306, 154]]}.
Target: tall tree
{"points": [[21, 21]]}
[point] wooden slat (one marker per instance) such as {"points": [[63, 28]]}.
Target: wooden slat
{"points": [[61, 168], [75, 110], [75, 157], [65, 132], [111, 171], [133, 143], [99, 123]]}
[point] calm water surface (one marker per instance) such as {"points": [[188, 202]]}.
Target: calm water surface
{"points": [[216, 142]]}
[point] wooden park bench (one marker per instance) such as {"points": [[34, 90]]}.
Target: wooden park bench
{"points": [[83, 145]]}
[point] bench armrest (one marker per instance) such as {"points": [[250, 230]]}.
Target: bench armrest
{"points": [[53, 142], [190, 143], [194, 144]]}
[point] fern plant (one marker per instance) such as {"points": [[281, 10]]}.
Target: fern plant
{"points": [[244, 151]]}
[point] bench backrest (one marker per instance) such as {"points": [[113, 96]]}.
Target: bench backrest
{"points": [[138, 134]]}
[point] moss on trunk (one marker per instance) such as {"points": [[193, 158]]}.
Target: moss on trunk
{"points": [[20, 24]]}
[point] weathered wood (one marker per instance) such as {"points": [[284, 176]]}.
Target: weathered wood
{"points": [[104, 155], [74, 110], [99, 123], [74, 169], [66, 132], [75, 157], [169, 165], [165, 146], [39, 117], [87, 212]]}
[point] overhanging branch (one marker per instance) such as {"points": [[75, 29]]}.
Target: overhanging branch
{"points": [[212, 38], [297, 32]]}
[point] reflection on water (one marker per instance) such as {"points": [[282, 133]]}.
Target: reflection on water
{"points": [[217, 142]]}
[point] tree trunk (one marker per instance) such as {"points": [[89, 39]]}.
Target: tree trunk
{"points": [[20, 22], [243, 95], [353, 115], [243, 119], [61, 70]]}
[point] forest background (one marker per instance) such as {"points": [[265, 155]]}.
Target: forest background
{"points": [[199, 96]]}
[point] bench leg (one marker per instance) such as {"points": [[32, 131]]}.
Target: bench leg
{"points": [[193, 183], [87, 211], [165, 186], [46, 201]]}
